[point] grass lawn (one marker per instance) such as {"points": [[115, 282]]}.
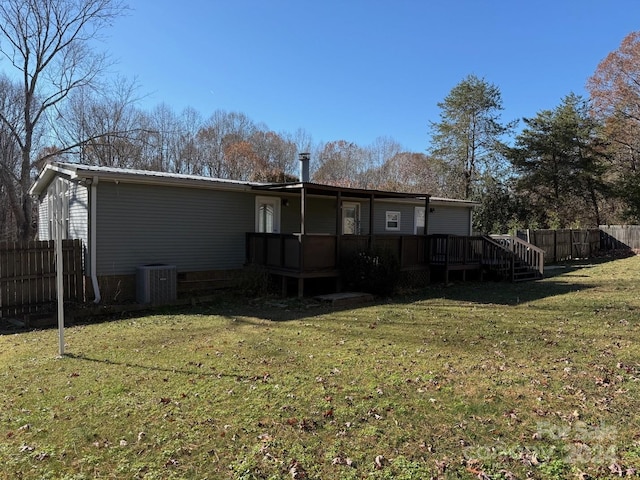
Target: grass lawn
{"points": [[490, 381]]}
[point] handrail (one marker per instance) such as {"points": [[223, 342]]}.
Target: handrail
{"points": [[498, 258], [527, 252]]}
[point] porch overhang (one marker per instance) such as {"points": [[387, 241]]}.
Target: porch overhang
{"points": [[332, 190], [304, 189]]}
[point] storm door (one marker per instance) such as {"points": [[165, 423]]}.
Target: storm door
{"points": [[350, 218], [268, 214]]}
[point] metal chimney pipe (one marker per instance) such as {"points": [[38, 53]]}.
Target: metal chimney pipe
{"points": [[304, 166]]}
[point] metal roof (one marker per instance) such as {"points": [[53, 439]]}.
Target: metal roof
{"points": [[80, 172]]}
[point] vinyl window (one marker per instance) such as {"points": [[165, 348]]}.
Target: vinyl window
{"points": [[392, 222]]}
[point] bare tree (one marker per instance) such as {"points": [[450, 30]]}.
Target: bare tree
{"points": [[340, 163], [47, 42], [219, 132], [412, 172], [376, 156], [9, 157], [104, 126], [189, 156], [278, 155]]}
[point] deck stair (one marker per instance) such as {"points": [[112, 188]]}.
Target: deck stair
{"points": [[528, 260]]}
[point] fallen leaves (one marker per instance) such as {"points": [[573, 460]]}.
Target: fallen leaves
{"points": [[342, 460], [296, 471], [380, 462]]}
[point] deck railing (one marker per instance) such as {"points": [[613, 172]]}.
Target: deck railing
{"points": [[292, 252], [455, 250], [528, 253], [314, 252], [299, 254], [467, 252]]}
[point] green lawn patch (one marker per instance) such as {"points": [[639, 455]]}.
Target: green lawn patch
{"points": [[473, 380]]}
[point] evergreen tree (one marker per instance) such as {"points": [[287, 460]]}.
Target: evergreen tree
{"points": [[468, 136], [559, 156]]}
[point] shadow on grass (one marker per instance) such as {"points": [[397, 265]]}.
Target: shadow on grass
{"points": [[196, 371], [501, 293], [559, 279], [239, 310]]}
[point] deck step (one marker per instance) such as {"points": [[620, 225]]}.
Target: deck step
{"points": [[524, 274], [524, 278]]}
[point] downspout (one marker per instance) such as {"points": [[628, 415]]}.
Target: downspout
{"points": [[92, 241]]}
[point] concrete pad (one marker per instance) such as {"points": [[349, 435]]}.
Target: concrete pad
{"points": [[345, 298]]}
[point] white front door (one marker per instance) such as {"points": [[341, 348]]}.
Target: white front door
{"points": [[418, 221], [268, 214], [350, 218]]}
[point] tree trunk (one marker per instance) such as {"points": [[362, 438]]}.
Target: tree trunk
{"points": [[25, 225]]}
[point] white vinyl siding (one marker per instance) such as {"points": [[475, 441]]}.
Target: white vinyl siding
{"points": [[450, 220], [75, 206]]}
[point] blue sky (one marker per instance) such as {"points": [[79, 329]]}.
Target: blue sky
{"points": [[356, 70]]}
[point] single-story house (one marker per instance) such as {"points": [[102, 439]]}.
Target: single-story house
{"points": [[207, 227]]}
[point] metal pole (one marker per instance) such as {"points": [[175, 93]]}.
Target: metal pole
{"points": [[59, 277]]}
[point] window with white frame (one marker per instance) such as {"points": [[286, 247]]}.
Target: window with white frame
{"points": [[392, 222], [58, 209]]}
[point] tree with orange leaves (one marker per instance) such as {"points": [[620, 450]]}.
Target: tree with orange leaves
{"points": [[615, 99]]}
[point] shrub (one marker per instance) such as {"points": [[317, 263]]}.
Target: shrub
{"points": [[376, 271], [255, 281]]}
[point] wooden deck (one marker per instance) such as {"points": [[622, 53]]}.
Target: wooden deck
{"points": [[322, 255]]}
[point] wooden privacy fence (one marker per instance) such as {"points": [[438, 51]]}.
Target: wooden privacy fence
{"points": [[565, 244], [620, 237], [28, 275]]}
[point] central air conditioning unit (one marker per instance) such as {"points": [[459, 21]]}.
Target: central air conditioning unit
{"points": [[156, 284]]}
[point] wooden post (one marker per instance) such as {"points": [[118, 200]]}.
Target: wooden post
{"points": [[572, 246], [427, 244], [338, 227], [446, 259], [371, 216], [426, 215], [281, 254], [303, 213]]}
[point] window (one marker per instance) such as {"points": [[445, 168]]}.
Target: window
{"points": [[393, 221], [58, 209]]}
